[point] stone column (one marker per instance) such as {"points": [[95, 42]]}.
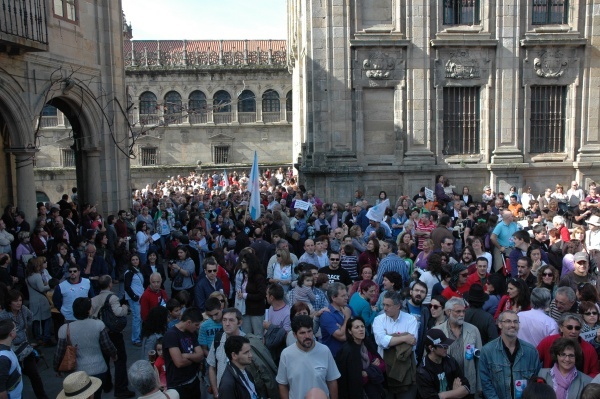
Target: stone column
{"points": [[93, 189], [26, 198], [282, 110], [259, 110]]}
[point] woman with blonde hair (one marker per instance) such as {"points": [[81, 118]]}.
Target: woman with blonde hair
{"points": [[282, 270], [578, 233], [356, 234]]}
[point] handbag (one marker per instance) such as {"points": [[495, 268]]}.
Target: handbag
{"points": [[22, 350], [69, 360], [114, 323], [178, 280]]}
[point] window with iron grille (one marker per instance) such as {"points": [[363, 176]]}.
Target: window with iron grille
{"points": [[149, 156], [220, 154], [197, 107], [173, 107], [66, 9], [461, 12], [148, 111], [270, 101], [247, 102], [222, 102], [67, 158], [549, 12], [547, 119], [461, 120]]}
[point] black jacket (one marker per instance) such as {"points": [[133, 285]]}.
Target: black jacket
{"points": [[349, 364], [428, 383], [231, 385]]}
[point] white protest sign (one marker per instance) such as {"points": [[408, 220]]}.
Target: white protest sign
{"points": [[588, 335], [299, 204], [428, 194]]}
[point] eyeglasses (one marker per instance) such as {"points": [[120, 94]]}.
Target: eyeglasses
{"points": [[443, 346], [511, 321], [73, 271], [570, 327], [211, 271], [591, 313], [548, 274], [567, 355]]}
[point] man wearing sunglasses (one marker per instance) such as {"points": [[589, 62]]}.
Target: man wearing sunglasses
{"points": [[569, 326], [72, 288], [208, 284], [438, 375]]}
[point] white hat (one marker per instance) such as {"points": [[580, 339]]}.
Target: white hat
{"points": [[79, 385], [594, 220]]}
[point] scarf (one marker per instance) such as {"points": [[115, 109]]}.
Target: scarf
{"points": [[364, 356], [562, 383]]}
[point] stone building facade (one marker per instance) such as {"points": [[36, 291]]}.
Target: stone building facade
{"points": [[196, 102], [390, 93], [68, 54]]}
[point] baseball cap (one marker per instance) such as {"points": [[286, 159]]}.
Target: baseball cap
{"points": [[580, 256], [437, 337]]}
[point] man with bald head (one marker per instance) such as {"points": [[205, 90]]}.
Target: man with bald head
{"points": [[153, 296]]}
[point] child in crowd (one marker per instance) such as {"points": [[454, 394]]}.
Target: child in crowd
{"points": [[175, 311], [349, 261], [159, 363], [310, 229], [303, 291]]}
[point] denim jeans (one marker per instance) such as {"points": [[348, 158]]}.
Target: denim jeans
{"points": [[42, 330], [136, 322]]}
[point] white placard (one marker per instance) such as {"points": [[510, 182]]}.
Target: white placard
{"points": [[299, 204], [428, 194], [589, 335], [155, 237]]}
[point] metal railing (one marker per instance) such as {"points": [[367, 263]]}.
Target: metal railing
{"points": [[288, 116], [220, 154], [24, 18], [461, 120], [198, 118], [547, 119]]}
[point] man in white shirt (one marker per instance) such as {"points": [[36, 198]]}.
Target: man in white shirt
{"points": [[535, 324], [306, 364]]}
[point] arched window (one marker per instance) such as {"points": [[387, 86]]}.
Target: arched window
{"points": [[173, 107], [148, 109], [221, 102], [270, 101], [247, 102], [197, 107], [288, 101]]}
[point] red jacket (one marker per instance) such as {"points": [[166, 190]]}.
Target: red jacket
{"points": [[590, 357], [505, 304], [474, 279], [151, 299]]}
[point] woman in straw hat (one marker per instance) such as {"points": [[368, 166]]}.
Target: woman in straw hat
{"points": [[79, 385]]}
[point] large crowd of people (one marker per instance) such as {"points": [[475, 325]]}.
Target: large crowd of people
{"points": [[442, 294]]}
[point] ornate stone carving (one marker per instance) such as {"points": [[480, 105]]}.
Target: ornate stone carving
{"points": [[550, 63], [462, 66], [379, 65]]}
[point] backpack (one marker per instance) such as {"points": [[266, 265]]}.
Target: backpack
{"points": [[114, 323], [275, 341]]}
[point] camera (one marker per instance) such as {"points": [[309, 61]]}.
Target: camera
{"points": [[171, 262]]}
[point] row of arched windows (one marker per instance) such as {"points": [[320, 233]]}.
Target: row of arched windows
{"points": [[221, 103]]}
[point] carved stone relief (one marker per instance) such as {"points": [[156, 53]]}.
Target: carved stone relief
{"points": [[379, 65], [550, 63], [462, 65]]}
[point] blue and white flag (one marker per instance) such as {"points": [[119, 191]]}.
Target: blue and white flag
{"points": [[377, 212], [254, 188], [225, 178]]}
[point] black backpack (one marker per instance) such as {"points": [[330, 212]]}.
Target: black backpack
{"points": [[114, 323]]}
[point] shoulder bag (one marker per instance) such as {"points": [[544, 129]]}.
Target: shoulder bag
{"points": [[69, 361]]}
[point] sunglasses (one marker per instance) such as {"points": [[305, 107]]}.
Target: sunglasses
{"points": [[436, 306], [591, 313], [73, 271], [464, 274], [571, 327], [443, 346], [548, 275], [278, 255], [211, 271], [334, 259]]}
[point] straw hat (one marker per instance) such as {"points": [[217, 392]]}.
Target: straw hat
{"points": [[79, 385]]}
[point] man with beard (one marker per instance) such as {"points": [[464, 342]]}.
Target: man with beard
{"points": [[497, 379], [414, 306], [466, 341], [306, 364]]}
